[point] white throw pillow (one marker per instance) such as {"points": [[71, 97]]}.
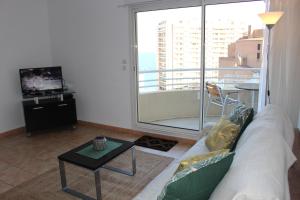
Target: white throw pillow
{"points": [[273, 114]]}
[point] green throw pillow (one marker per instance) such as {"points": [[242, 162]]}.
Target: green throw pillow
{"points": [[199, 180], [239, 114], [243, 116]]}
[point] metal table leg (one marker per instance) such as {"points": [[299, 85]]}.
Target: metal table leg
{"points": [[133, 160], [121, 171], [66, 189], [62, 172], [98, 184]]}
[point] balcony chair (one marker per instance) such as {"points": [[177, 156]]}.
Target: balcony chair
{"points": [[216, 97]]}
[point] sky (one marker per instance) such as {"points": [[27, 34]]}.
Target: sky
{"points": [[147, 22]]}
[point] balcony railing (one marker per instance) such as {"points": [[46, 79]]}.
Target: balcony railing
{"points": [[189, 78], [166, 95]]}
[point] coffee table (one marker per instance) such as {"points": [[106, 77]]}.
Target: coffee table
{"points": [[79, 156]]}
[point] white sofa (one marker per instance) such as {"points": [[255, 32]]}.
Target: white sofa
{"points": [[260, 167]]}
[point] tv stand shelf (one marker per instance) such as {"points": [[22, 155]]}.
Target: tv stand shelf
{"points": [[49, 113]]}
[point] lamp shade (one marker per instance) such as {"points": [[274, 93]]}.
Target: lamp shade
{"points": [[270, 18]]}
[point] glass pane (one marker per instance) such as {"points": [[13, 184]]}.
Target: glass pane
{"points": [[169, 51], [233, 57]]}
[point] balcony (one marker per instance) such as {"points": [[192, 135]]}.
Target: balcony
{"points": [[174, 99]]}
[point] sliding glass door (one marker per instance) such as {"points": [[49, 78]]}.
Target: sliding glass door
{"points": [[233, 57], [180, 57], [169, 50]]}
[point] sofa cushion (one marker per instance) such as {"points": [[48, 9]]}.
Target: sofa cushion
{"points": [[273, 114], [222, 135], [259, 170], [199, 180], [154, 188], [188, 162], [260, 167]]}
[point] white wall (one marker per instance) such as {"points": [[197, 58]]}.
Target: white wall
{"points": [[24, 40], [285, 60], [154, 106], [90, 38]]}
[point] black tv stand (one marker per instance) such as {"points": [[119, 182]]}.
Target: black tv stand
{"points": [[49, 113]]}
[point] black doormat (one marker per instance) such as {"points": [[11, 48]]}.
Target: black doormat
{"points": [[155, 143]]}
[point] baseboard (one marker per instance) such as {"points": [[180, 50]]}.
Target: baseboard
{"points": [[131, 131], [13, 132], [107, 127]]}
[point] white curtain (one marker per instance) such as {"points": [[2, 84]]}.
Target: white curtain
{"points": [[285, 58], [263, 72]]}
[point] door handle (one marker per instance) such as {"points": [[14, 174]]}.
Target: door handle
{"points": [[38, 108], [62, 105]]}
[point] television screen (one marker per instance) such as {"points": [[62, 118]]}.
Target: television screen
{"points": [[41, 81]]}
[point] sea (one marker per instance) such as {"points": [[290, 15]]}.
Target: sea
{"points": [[147, 61]]}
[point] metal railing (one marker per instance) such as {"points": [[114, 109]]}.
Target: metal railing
{"points": [[169, 79]]}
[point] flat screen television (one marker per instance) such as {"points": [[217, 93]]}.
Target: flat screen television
{"points": [[41, 81]]}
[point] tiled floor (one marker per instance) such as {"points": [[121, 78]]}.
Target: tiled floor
{"points": [[23, 158]]}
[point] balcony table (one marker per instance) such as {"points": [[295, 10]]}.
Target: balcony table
{"points": [[253, 87]]}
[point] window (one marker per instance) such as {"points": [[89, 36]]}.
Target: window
{"points": [[173, 62]]}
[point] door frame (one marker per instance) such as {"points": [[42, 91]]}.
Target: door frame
{"points": [[133, 9]]}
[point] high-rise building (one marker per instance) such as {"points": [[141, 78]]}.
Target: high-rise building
{"points": [[246, 52], [179, 50], [219, 33], [179, 46]]}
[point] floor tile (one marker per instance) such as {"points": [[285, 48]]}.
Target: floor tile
{"points": [[23, 158], [15, 176], [3, 165], [4, 187]]}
